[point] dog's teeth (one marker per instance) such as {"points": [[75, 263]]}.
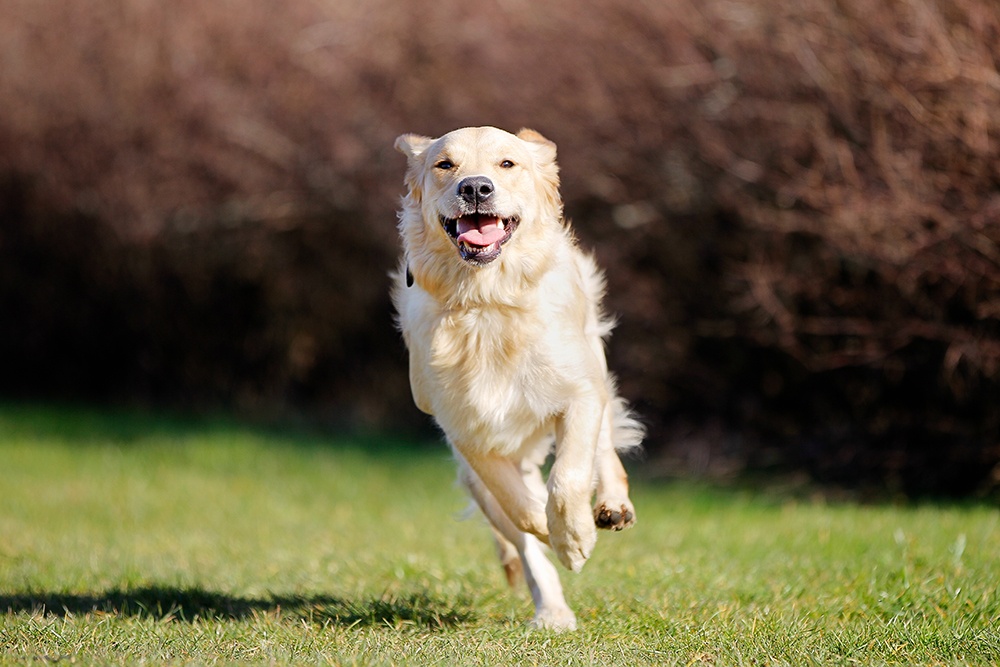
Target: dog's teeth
{"points": [[502, 226]]}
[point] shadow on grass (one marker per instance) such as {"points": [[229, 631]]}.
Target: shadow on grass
{"points": [[189, 604]]}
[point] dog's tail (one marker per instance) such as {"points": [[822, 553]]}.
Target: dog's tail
{"points": [[627, 431]]}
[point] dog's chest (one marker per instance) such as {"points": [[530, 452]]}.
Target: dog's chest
{"points": [[494, 373]]}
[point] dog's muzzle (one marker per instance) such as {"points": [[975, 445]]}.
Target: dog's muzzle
{"points": [[480, 231]]}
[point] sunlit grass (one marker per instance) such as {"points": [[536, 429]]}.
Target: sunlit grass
{"points": [[127, 539]]}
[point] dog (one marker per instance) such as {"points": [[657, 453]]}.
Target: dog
{"points": [[501, 314]]}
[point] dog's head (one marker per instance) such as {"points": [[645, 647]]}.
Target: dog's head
{"points": [[474, 190]]}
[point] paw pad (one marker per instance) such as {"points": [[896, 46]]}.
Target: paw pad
{"points": [[613, 518]]}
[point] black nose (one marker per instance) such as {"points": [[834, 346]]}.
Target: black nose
{"points": [[475, 189]]}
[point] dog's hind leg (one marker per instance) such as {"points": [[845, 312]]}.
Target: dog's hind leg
{"points": [[508, 555], [551, 610], [534, 457]]}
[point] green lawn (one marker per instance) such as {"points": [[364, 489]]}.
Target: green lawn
{"points": [[128, 539]]}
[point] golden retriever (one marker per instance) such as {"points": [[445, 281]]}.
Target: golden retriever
{"points": [[501, 313]]}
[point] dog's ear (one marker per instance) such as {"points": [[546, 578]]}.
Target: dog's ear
{"points": [[545, 156], [412, 145], [544, 149]]}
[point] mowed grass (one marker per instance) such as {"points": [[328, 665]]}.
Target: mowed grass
{"points": [[128, 539]]}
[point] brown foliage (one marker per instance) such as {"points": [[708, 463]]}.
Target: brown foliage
{"points": [[798, 204]]}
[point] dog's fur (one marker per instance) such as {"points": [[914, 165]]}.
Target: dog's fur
{"points": [[501, 313]]}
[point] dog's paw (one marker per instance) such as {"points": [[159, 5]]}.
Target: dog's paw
{"points": [[559, 619], [614, 514], [572, 537]]}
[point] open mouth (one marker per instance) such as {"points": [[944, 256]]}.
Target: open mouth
{"points": [[478, 237]]}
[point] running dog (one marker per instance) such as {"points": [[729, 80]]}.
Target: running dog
{"points": [[501, 313]]}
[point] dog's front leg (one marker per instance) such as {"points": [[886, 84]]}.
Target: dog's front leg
{"points": [[504, 480], [572, 533]]}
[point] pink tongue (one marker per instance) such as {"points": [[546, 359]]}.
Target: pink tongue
{"points": [[487, 233]]}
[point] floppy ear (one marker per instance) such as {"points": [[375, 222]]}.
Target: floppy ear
{"points": [[544, 149], [412, 145], [545, 154]]}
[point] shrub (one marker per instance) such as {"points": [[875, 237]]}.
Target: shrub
{"points": [[797, 205]]}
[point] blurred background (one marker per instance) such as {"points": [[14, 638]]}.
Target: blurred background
{"points": [[797, 204]]}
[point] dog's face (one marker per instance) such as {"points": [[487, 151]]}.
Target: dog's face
{"points": [[475, 187]]}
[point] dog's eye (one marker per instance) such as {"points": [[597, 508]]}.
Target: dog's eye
{"points": [[507, 164], [445, 165]]}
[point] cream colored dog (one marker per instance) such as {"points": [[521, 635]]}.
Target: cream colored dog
{"points": [[501, 313]]}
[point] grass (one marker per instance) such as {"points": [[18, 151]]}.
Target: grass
{"points": [[127, 539]]}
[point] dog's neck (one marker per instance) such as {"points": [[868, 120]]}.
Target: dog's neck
{"points": [[507, 282], [458, 286]]}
